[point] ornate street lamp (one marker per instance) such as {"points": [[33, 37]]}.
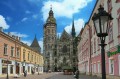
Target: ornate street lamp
{"points": [[101, 21], [38, 69], [7, 69]]}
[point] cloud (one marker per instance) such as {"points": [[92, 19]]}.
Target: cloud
{"points": [[24, 19], [78, 25], [8, 18], [3, 23], [19, 34], [28, 42], [35, 16], [64, 8], [27, 12]]}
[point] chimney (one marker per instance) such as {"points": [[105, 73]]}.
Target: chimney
{"points": [[13, 36], [9, 33], [1, 29], [19, 38]]}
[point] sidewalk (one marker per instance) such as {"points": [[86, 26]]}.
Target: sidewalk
{"points": [[35, 76]]}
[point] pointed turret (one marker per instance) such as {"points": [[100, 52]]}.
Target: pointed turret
{"points": [[35, 45], [51, 18], [73, 30]]}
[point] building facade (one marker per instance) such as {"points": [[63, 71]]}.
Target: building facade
{"points": [[16, 57], [112, 55], [84, 50]]}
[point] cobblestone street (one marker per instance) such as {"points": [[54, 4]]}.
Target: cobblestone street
{"points": [[53, 75], [61, 76]]}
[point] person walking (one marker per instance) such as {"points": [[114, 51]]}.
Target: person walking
{"points": [[77, 74], [25, 73]]}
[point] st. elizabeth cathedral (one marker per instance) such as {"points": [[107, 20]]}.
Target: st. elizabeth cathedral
{"points": [[59, 52]]}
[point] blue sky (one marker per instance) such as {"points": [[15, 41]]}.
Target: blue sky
{"points": [[25, 18]]}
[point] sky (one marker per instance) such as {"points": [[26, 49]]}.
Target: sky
{"points": [[25, 18]]}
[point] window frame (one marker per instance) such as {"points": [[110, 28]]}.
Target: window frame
{"points": [[12, 51], [5, 49]]}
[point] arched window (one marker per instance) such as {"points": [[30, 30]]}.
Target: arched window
{"points": [[55, 60], [64, 60], [64, 49], [48, 31]]}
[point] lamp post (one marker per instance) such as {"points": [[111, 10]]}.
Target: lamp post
{"points": [[101, 21], [7, 69], [38, 69]]}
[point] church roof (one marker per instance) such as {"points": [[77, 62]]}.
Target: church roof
{"points": [[65, 35]]}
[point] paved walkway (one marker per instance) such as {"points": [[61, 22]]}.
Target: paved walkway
{"points": [[61, 76], [53, 75], [35, 76]]}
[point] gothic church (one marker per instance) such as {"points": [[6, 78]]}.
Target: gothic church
{"points": [[59, 52]]}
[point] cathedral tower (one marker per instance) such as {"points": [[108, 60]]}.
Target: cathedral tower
{"points": [[49, 40]]}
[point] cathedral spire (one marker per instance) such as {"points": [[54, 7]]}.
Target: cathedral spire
{"points": [[51, 12], [51, 18], [73, 29]]}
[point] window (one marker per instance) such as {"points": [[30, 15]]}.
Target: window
{"points": [[52, 30], [117, 1], [32, 58], [99, 67], [110, 32], [4, 69], [28, 56], [35, 57], [109, 4], [12, 51], [91, 48], [5, 49], [119, 25], [11, 69], [48, 31], [94, 45], [111, 66], [119, 63], [23, 55], [98, 40], [95, 68], [18, 53]]}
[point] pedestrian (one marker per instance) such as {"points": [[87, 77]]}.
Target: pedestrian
{"points": [[25, 73], [77, 74]]}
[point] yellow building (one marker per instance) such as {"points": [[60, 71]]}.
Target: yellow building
{"points": [[31, 58], [20, 56]]}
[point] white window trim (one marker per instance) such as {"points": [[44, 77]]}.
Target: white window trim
{"points": [[119, 63], [99, 67], [110, 67]]}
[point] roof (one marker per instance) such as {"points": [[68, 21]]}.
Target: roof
{"points": [[35, 43]]}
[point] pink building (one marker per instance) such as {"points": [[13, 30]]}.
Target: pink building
{"points": [[84, 49], [112, 49]]}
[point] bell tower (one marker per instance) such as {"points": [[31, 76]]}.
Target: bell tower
{"points": [[49, 40]]}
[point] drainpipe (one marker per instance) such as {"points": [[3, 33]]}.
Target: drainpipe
{"points": [[90, 69]]}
